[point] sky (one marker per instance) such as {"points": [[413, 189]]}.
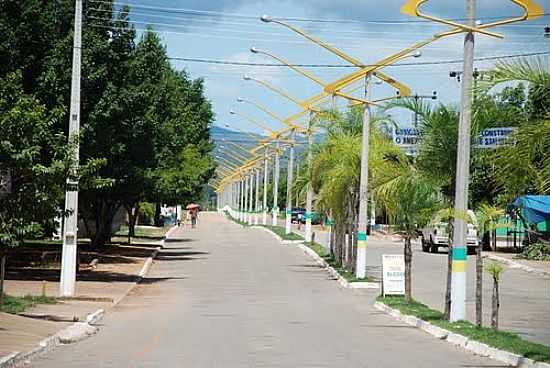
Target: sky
{"points": [[368, 30]]}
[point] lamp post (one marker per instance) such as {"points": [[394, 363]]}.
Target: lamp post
{"points": [[266, 178]]}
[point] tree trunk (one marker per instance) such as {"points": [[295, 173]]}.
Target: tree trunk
{"points": [[496, 305], [3, 256], [479, 285], [408, 268], [447, 311], [158, 221], [494, 240], [133, 212], [449, 281]]}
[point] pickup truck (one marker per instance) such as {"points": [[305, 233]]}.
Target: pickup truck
{"points": [[436, 236]]}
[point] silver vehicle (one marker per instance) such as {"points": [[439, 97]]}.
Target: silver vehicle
{"points": [[437, 235]]}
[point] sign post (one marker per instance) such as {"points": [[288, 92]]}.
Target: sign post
{"points": [[393, 274]]}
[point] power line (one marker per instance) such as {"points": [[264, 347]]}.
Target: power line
{"points": [[440, 62], [196, 12]]}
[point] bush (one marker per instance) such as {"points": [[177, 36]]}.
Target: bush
{"points": [[540, 251], [146, 213]]}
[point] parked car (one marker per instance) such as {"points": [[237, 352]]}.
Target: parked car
{"points": [[296, 214], [436, 236]]}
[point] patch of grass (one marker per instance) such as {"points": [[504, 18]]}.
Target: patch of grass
{"points": [[281, 231], [229, 217], [16, 304], [343, 271], [141, 232], [494, 338]]}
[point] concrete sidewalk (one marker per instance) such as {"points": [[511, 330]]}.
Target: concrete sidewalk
{"points": [[101, 288]]}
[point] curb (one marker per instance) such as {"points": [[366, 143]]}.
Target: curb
{"points": [[283, 241], [73, 333], [460, 341], [79, 330], [517, 265], [331, 271]]}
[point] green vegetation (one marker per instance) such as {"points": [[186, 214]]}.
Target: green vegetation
{"points": [[279, 230], [540, 251], [495, 338], [17, 304], [343, 271], [147, 232]]}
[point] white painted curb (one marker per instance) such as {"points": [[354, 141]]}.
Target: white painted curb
{"points": [[341, 280], [463, 342], [78, 330], [520, 266], [73, 333], [283, 241]]}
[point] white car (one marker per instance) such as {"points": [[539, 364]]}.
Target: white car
{"points": [[437, 235]]}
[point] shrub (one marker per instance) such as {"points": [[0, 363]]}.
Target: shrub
{"points": [[540, 251], [146, 213]]}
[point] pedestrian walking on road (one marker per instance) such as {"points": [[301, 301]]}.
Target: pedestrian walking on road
{"points": [[193, 213]]}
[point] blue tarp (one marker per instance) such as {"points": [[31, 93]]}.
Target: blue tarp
{"points": [[534, 208]]}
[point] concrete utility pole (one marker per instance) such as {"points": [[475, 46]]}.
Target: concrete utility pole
{"points": [[69, 260], [309, 192], [251, 199], [257, 202], [241, 200], [289, 181], [276, 186], [361, 262], [246, 186], [458, 284], [266, 178]]}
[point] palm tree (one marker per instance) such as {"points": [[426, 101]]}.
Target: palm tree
{"points": [[335, 173], [524, 165], [411, 201], [495, 270]]}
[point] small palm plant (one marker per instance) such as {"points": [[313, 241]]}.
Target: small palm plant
{"points": [[495, 270]]}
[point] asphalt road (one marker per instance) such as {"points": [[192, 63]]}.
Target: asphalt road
{"points": [[224, 296], [524, 297]]}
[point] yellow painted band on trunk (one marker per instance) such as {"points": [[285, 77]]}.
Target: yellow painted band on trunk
{"points": [[459, 266], [361, 244]]}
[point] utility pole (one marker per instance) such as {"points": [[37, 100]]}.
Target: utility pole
{"points": [[417, 97], [266, 178], [257, 198], [67, 283], [251, 199], [290, 178], [361, 262], [276, 186], [459, 251], [309, 193]]}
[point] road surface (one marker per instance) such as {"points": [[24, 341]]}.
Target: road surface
{"points": [[524, 297], [224, 296]]}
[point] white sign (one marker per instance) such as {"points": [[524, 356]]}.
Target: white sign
{"points": [[494, 137], [393, 274]]}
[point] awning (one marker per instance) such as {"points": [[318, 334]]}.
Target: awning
{"points": [[534, 208]]}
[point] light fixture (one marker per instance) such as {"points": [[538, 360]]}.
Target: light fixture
{"points": [[246, 77], [254, 50], [266, 18], [239, 99]]}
